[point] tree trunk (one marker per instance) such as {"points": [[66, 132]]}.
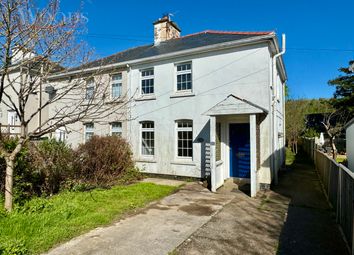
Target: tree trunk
{"points": [[9, 179], [296, 147], [9, 184], [334, 149]]}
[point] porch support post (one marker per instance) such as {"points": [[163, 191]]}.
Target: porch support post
{"points": [[212, 153], [253, 139]]}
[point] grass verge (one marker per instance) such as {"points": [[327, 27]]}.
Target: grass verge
{"points": [[290, 157], [42, 223]]}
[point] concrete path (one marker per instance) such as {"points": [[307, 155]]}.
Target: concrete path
{"points": [[293, 218], [158, 229], [310, 226]]}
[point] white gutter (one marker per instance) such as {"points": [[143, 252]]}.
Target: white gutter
{"points": [[274, 107], [188, 52]]}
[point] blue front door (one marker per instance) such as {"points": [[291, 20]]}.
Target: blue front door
{"points": [[240, 165]]}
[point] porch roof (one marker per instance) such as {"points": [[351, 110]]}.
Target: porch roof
{"points": [[235, 105]]}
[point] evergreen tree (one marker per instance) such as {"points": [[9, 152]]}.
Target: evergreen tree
{"points": [[344, 94]]}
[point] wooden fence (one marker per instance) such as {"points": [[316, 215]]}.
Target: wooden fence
{"points": [[338, 182]]}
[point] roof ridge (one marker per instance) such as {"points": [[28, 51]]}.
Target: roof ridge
{"points": [[209, 31], [120, 52]]}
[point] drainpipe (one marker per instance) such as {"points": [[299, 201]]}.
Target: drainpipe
{"points": [[130, 95], [274, 106]]}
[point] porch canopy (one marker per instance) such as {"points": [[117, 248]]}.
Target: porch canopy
{"points": [[233, 105]]}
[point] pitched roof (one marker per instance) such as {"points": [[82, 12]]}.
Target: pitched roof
{"points": [[205, 38], [234, 105]]}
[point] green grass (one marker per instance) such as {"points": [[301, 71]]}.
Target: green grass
{"points": [[341, 158], [42, 223], [290, 157]]}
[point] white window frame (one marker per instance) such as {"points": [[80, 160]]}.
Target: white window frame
{"points": [[183, 129], [116, 130], [141, 138], [149, 77], [119, 82], [89, 131], [177, 73], [90, 85], [60, 134]]}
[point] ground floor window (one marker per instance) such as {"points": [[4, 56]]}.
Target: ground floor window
{"points": [[184, 138], [116, 128], [60, 134], [89, 131], [147, 138]]}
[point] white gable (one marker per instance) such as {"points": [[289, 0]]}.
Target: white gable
{"points": [[235, 105]]}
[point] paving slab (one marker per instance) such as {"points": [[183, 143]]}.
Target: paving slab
{"points": [[157, 230]]}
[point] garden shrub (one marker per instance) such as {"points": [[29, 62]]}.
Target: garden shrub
{"points": [[53, 161], [131, 175], [40, 168], [102, 160], [24, 179]]}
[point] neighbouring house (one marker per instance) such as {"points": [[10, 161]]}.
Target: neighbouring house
{"points": [[205, 105], [114, 80], [24, 66], [349, 133]]}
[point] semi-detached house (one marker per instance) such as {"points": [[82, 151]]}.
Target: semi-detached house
{"points": [[209, 104]]}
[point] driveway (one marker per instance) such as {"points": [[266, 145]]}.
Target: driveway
{"points": [[158, 229]]}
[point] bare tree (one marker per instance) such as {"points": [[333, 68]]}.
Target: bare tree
{"points": [[334, 123], [36, 43]]}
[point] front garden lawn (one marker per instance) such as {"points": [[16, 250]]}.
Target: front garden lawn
{"points": [[42, 223]]}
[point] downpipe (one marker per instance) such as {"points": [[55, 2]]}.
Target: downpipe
{"points": [[274, 108]]}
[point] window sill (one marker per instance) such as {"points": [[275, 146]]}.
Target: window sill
{"points": [[145, 98], [182, 94], [183, 162], [146, 160], [117, 100]]}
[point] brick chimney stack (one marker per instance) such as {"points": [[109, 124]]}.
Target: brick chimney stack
{"points": [[165, 29]]}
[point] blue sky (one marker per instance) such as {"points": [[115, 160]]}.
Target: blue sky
{"points": [[312, 28]]}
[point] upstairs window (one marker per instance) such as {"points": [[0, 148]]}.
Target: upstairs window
{"points": [[147, 82], [147, 138], [116, 84], [116, 128], [90, 89], [89, 131], [185, 138], [184, 77]]}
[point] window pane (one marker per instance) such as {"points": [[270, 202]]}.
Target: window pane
{"points": [[116, 128], [89, 92], [117, 77], [147, 138], [184, 139], [116, 90]]}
